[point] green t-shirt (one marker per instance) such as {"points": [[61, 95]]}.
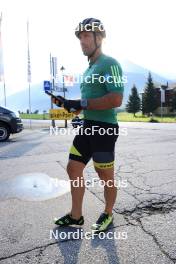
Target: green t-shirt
{"points": [[102, 77]]}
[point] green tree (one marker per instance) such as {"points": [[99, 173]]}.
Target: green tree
{"points": [[134, 102], [149, 100]]}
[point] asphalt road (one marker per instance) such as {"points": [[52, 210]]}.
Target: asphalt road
{"points": [[144, 229]]}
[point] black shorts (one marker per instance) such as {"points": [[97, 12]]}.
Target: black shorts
{"points": [[95, 140]]}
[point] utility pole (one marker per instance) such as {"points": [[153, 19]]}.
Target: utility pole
{"points": [[29, 73], [63, 82], [52, 85], [2, 78], [5, 101]]}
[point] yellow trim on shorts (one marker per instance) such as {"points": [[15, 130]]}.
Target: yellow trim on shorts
{"points": [[74, 151], [104, 165]]}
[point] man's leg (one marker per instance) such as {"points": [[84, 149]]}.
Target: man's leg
{"points": [[75, 167], [75, 172], [110, 190]]}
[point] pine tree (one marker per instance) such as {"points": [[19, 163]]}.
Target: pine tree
{"points": [[149, 100], [134, 102]]}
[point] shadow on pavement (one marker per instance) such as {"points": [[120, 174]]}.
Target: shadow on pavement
{"points": [[18, 152], [108, 245], [21, 145], [71, 251]]}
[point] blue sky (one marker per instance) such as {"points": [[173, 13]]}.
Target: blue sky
{"points": [[139, 30]]}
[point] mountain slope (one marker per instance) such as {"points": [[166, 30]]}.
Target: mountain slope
{"points": [[40, 101]]}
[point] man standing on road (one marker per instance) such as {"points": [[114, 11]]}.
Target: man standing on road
{"points": [[101, 92]]}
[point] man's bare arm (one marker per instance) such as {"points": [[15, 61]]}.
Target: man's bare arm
{"points": [[108, 101]]}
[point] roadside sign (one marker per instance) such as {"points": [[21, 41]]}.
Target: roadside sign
{"points": [[60, 114], [47, 86], [59, 89]]}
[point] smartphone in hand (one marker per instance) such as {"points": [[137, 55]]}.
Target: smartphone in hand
{"points": [[60, 99], [52, 95]]}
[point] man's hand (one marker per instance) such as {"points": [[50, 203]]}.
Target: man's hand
{"points": [[72, 105], [69, 105], [59, 101]]}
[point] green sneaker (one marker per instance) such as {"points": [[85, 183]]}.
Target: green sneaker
{"points": [[67, 220], [103, 222]]}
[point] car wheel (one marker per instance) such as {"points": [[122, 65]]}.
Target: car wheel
{"points": [[4, 132]]}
